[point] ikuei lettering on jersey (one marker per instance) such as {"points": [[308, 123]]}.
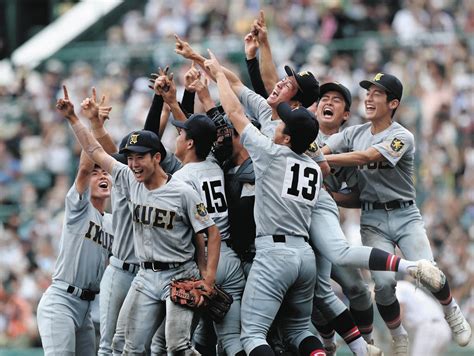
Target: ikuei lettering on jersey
{"points": [[99, 236], [148, 215], [376, 165]]}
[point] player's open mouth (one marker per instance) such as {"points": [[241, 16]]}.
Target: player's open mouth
{"points": [[137, 172], [274, 93], [328, 113], [369, 108], [103, 185]]}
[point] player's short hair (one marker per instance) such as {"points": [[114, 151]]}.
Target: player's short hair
{"points": [[202, 130]]}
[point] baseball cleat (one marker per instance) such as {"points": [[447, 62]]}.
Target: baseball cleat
{"points": [[459, 326], [428, 275], [373, 350], [400, 345]]}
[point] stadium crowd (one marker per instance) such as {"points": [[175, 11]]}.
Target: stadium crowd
{"points": [[433, 56]]}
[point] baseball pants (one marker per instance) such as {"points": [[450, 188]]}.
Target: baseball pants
{"points": [[231, 278], [282, 272], [114, 287], [387, 229], [146, 305], [65, 323]]}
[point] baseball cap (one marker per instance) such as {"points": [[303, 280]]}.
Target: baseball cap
{"points": [[387, 82], [200, 128], [120, 156], [335, 86], [308, 86], [143, 141], [301, 123]]}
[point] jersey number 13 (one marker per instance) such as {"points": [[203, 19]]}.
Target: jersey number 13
{"points": [[302, 182]]}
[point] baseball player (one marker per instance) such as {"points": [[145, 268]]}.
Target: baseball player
{"points": [[64, 319], [384, 152], [287, 185], [196, 136], [166, 214], [123, 264], [424, 318], [201, 170]]}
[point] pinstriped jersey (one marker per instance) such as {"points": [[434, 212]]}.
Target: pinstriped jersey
{"points": [[123, 247], [381, 181], [164, 219], [286, 185], [86, 239], [207, 178]]}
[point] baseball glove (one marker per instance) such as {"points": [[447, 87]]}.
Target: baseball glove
{"points": [[218, 303], [186, 292]]}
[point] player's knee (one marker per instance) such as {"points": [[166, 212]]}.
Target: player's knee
{"points": [[385, 291]]}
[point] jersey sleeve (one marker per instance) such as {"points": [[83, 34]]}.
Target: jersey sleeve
{"points": [[339, 142], [256, 106], [122, 176], [260, 147], [394, 146], [195, 210], [76, 204]]}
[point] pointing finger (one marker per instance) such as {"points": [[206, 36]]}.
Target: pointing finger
{"points": [[66, 95]]}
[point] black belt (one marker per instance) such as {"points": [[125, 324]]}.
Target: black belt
{"points": [[130, 267], [282, 238], [390, 205], [85, 294], [160, 266]]}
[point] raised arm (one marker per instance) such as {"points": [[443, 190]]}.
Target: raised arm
{"points": [[97, 114], [229, 100], [267, 67], [355, 158], [164, 85], [184, 49], [253, 67], [89, 144]]}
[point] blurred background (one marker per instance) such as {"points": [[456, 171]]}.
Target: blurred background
{"points": [[114, 45]]}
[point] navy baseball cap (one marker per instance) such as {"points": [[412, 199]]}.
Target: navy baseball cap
{"points": [[200, 127], [387, 82], [143, 141], [301, 123], [338, 87], [308, 86], [120, 156]]}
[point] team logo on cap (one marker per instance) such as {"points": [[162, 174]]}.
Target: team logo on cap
{"points": [[396, 145], [201, 209], [303, 73], [378, 76], [134, 139]]}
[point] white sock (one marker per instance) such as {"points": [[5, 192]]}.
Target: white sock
{"points": [[399, 330], [358, 346], [404, 265]]}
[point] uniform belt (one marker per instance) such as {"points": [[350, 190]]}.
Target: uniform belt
{"points": [[390, 205], [129, 267], [84, 294], [282, 238], [160, 266]]}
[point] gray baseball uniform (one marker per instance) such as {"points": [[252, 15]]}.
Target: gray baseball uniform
{"points": [[389, 183], [121, 270], [286, 189], [207, 178], [164, 221], [326, 234], [64, 319]]}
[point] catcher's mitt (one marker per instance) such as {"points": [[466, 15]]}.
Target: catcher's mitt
{"points": [[186, 292], [218, 303]]}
